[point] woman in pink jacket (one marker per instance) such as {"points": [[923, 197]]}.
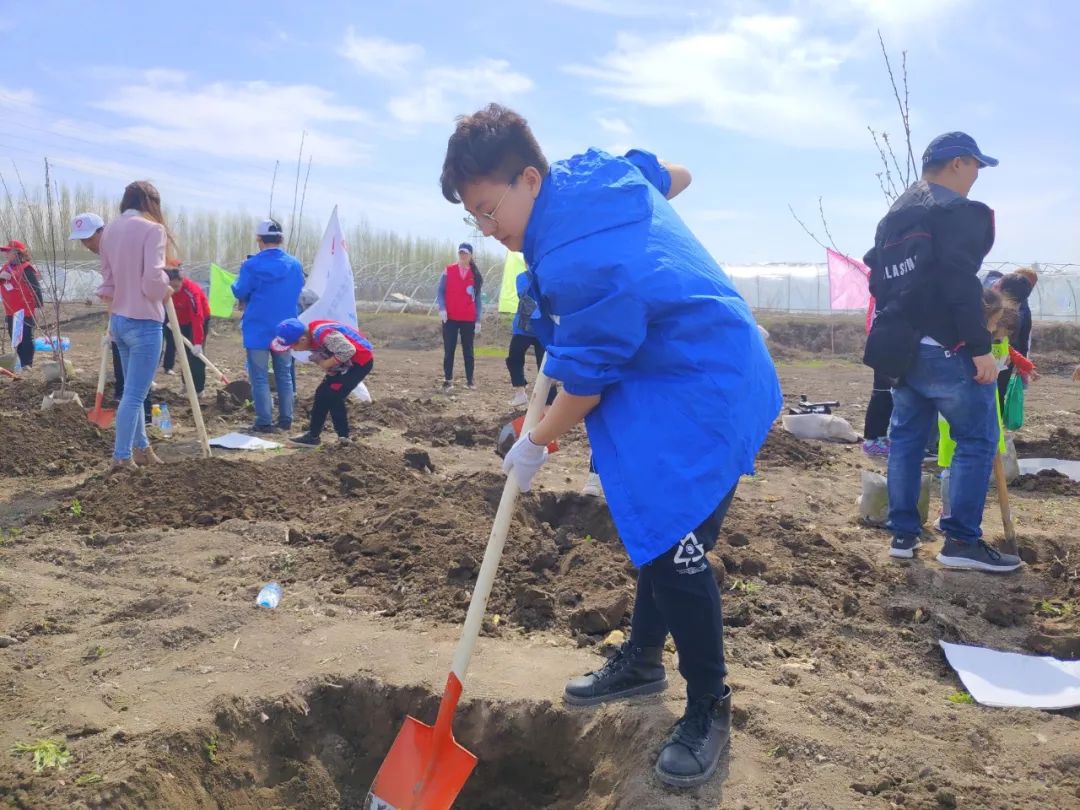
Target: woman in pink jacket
{"points": [[135, 285]]}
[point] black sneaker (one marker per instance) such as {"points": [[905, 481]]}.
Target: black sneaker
{"points": [[904, 547], [284, 427], [631, 671], [976, 556], [262, 429], [693, 751], [305, 440]]}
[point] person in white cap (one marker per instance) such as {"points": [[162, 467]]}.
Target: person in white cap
{"points": [[268, 289], [87, 229]]}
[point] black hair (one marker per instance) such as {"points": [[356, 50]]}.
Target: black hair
{"points": [[494, 143], [173, 273], [271, 240]]}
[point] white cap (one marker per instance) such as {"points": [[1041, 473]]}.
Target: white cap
{"points": [[269, 227], [86, 225]]}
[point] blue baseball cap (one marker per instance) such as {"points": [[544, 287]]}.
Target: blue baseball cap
{"points": [[290, 330], [466, 247], [953, 145]]}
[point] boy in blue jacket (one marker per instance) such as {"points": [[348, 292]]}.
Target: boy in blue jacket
{"points": [[268, 289], [662, 359]]}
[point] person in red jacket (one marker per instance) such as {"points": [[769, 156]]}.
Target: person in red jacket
{"points": [[346, 357], [193, 313], [460, 308], [20, 289]]}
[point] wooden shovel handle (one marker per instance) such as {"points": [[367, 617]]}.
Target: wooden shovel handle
{"points": [[1009, 546]]}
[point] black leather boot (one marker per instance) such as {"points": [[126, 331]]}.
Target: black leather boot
{"points": [[631, 671], [692, 752]]}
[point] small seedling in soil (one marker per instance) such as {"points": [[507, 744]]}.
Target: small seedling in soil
{"points": [[76, 508], [210, 749], [779, 751], [46, 754], [745, 586], [961, 698], [95, 653], [1048, 608], [7, 536], [88, 779]]}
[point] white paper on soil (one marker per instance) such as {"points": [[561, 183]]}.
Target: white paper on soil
{"points": [[1012, 680], [241, 441]]}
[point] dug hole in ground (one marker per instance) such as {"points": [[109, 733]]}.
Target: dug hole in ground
{"points": [[130, 634]]}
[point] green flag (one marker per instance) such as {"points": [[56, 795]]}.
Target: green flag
{"points": [[222, 300], [513, 267]]}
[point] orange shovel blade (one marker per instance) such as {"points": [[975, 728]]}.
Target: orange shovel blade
{"points": [[425, 768], [102, 417]]}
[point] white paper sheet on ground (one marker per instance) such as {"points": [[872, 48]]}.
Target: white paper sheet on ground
{"points": [[241, 441], [1030, 466], [1012, 680]]}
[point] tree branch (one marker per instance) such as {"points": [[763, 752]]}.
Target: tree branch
{"points": [[809, 232]]}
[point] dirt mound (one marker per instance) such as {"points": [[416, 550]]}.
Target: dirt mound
{"points": [[53, 442], [1063, 444], [399, 413], [443, 431], [1050, 481], [205, 492], [842, 335], [782, 449]]}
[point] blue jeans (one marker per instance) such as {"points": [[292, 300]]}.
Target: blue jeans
{"points": [[258, 363], [942, 381], [139, 344]]}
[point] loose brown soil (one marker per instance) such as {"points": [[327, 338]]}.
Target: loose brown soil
{"points": [[128, 628]]}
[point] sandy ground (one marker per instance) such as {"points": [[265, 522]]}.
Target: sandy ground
{"points": [[130, 631]]}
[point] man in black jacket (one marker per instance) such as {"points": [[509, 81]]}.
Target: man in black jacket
{"points": [[927, 251]]}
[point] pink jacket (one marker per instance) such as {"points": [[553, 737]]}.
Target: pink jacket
{"points": [[133, 267]]}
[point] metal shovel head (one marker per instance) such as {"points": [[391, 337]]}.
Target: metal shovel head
{"points": [[101, 417], [419, 773], [240, 390], [425, 768]]}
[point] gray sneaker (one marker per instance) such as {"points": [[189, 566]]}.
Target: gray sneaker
{"points": [[977, 556], [904, 547]]}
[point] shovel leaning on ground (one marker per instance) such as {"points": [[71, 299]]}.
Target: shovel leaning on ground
{"points": [[1009, 546], [206, 362], [102, 417], [426, 768], [189, 382]]}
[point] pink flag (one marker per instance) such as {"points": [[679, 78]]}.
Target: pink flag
{"points": [[849, 282]]}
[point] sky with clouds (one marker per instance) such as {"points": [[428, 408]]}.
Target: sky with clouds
{"points": [[767, 103]]}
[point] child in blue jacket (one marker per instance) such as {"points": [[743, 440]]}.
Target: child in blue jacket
{"points": [[662, 359]]}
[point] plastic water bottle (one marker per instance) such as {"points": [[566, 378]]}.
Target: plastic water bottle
{"points": [[269, 596], [165, 421], [155, 415]]}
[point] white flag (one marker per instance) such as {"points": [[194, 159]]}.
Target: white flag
{"points": [[18, 322], [331, 279]]}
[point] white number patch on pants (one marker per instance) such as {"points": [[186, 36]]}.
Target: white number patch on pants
{"points": [[690, 555]]}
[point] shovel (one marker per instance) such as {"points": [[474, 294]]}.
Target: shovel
{"points": [[206, 362], [426, 768], [1009, 546], [102, 417]]}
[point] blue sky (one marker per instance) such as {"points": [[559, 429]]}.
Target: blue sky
{"points": [[767, 103]]}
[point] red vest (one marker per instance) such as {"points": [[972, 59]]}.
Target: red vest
{"points": [[16, 291], [460, 294], [318, 330]]}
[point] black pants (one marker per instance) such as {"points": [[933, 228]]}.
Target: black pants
{"points": [[879, 411], [118, 385], [677, 593], [330, 399], [197, 366], [515, 361], [1002, 383], [25, 349], [170, 346], [450, 332]]}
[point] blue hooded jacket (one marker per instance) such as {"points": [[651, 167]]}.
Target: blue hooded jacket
{"points": [[269, 284], [636, 310]]}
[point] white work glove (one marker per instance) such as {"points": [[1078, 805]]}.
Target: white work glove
{"points": [[442, 315], [524, 460], [477, 328], [196, 350]]}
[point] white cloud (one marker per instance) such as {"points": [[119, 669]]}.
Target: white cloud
{"points": [[249, 121], [379, 57], [763, 75], [446, 91], [618, 8], [16, 98], [894, 14], [614, 126]]}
